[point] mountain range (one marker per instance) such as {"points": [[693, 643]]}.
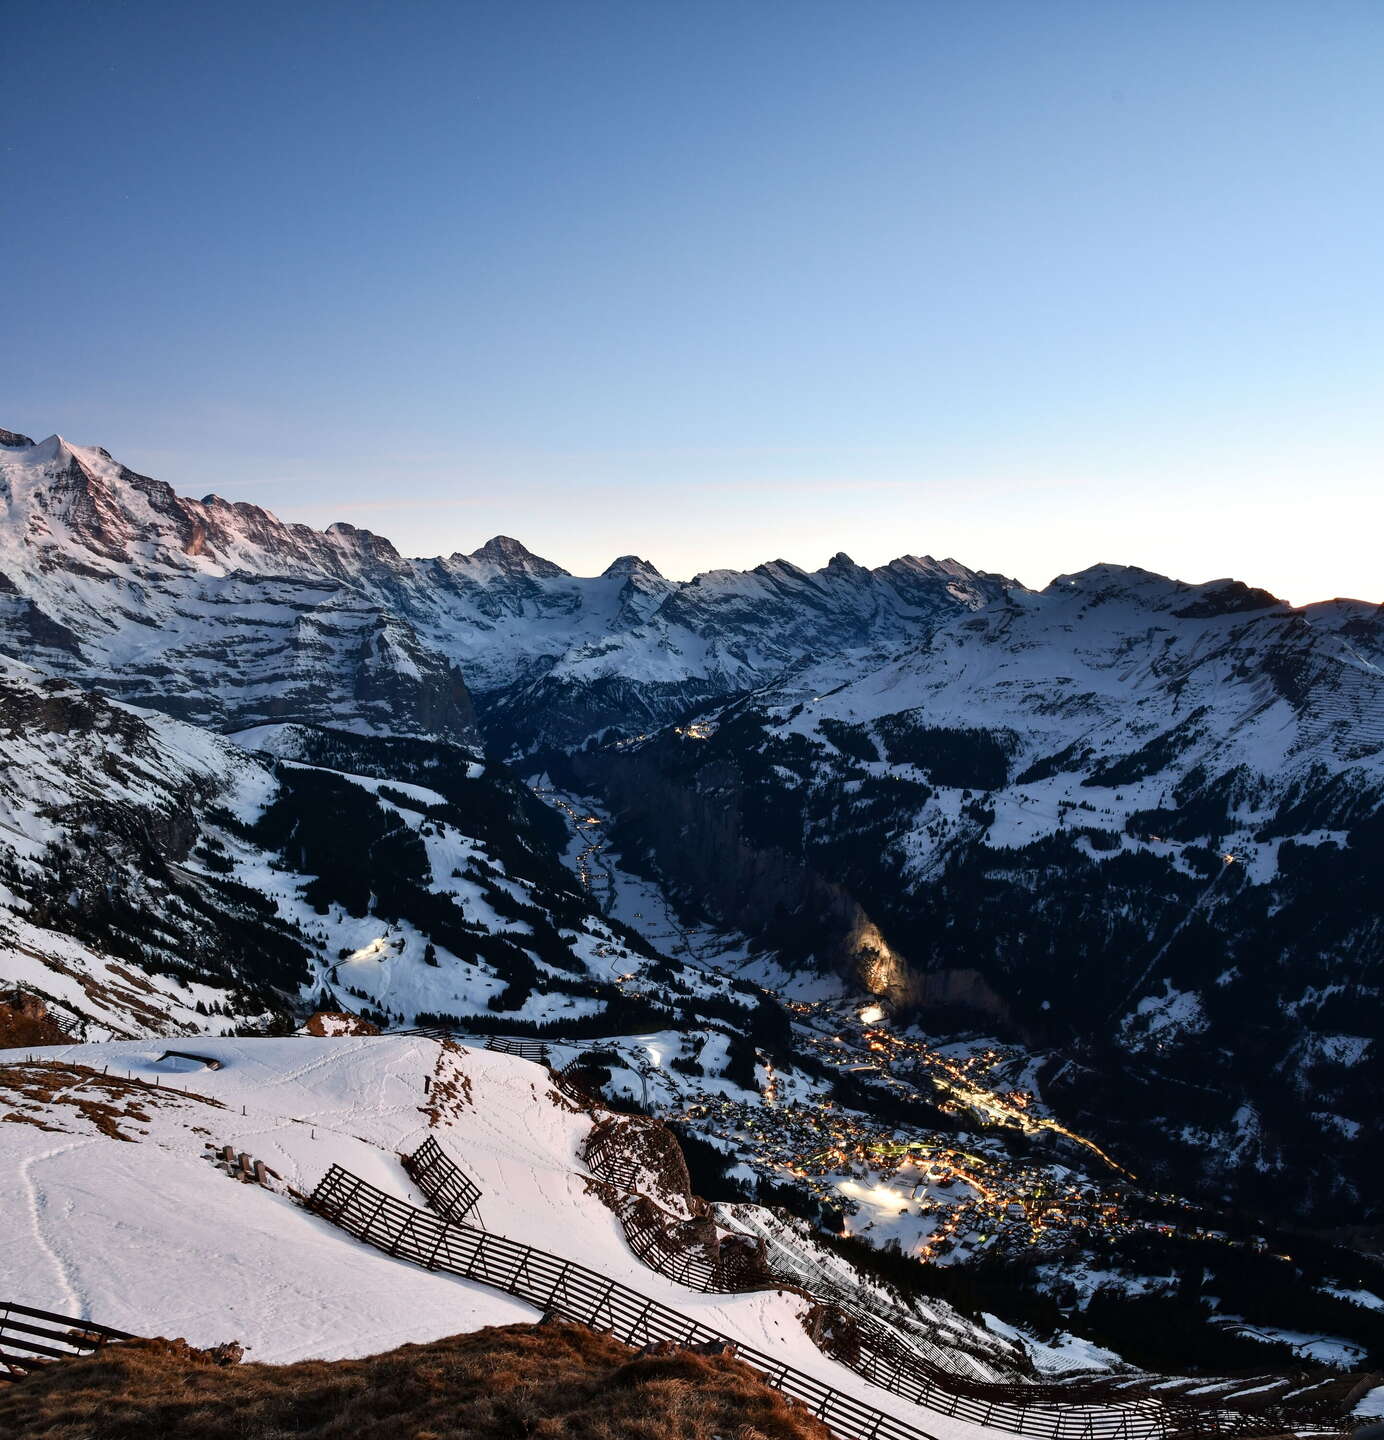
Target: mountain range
{"points": [[1135, 823]]}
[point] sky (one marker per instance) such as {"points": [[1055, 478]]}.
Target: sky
{"points": [[1035, 285]]}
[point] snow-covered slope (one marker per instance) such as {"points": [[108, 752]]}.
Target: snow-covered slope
{"points": [[156, 878], [100, 809], [120, 1214], [1112, 687]]}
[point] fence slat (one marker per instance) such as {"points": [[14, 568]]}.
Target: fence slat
{"points": [[63, 1337], [519, 1268]]}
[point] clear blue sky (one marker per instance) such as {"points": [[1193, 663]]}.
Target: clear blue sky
{"points": [[1033, 284]]}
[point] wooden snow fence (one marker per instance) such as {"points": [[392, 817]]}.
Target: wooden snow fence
{"points": [[574, 1292], [30, 1338]]}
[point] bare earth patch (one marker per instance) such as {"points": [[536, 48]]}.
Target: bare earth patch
{"points": [[449, 1088], [52, 1094], [555, 1380]]}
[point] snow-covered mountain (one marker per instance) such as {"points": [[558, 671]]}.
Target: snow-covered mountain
{"points": [[159, 879], [988, 804], [1136, 817], [219, 613], [227, 616]]}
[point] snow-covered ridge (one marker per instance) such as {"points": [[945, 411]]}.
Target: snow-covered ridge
{"points": [[140, 896], [224, 613], [227, 614]]}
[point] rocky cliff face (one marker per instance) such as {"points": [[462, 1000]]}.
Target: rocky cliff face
{"points": [[217, 613], [698, 836]]}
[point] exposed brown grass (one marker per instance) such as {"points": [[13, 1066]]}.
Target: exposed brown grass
{"points": [[449, 1089], [132, 1000], [35, 1092], [340, 1022], [553, 1381]]}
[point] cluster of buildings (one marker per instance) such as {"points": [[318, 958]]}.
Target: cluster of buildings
{"points": [[932, 1194]]}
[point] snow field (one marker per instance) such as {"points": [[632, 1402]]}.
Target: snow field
{"points": [[150, 1237]]}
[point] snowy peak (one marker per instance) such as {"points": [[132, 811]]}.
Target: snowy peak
{"points": [[11, 440], [841, 564], [365, 543], [1228, 597], [939, 569], [514, 557], [780, 571], [55, 495], [226, 614], [1147, 589], [1108, 579], [625, 566]]}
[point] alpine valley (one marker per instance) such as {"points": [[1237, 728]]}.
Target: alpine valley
{"points": [[1014, 956]]}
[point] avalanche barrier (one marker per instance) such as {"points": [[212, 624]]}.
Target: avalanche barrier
{"points": [[562, 1287]]}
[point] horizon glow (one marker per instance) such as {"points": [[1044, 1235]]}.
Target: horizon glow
{"points": [[1030, 287]]}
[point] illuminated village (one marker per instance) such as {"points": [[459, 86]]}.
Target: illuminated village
{"points": [[944, 1197]]}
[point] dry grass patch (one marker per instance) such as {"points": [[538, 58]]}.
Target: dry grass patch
{"points": [[554, 1381], [37, 1091], [449, 1087], [340, 1022]]}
